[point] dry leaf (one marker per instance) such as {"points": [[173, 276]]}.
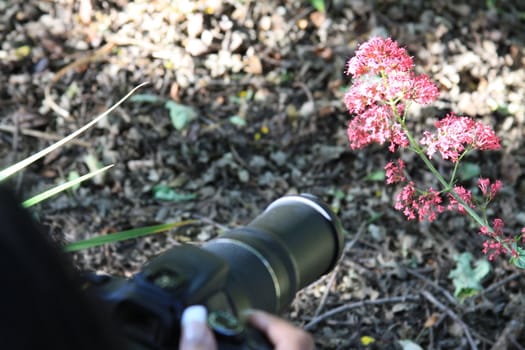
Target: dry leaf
{"points": [[431, 321]]}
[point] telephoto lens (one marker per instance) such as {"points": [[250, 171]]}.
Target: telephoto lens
{"points": [[295, 241]]}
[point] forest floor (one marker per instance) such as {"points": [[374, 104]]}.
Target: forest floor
{"points": [[263, 85]]}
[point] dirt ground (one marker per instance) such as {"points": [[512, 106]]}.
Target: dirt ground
{"points": [[263, 84]]}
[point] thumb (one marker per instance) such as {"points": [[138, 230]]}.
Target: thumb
{"points": [[195, 332]]}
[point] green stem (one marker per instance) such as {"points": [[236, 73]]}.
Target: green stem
{"points": [[447, 186]]}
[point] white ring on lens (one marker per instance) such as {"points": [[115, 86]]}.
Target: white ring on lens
{"points": [[263, 260], [302, 200]]}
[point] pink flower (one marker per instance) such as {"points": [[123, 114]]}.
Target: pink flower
{"points": [[493, 248], [497, 243], [465, 195], [379, 55], [375, 124], [404, 201], [429, 205], [394, 173], [423, 90], [455, 134], [425, 206], [383, 83], [489, 190], [363, 94]]}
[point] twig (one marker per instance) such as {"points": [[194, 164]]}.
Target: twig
{"points": [[452, 315], [501, 283], [335, 271], [48, 99], [434, 285], [400, 299], [512, 329], [41, 135], [516, 344], [212, 223]]}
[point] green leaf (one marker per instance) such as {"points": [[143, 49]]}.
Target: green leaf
{"points": [[466, 279], [146, 98], [374, 216], [180, 115], [378, 175], [319, 5], [468, 171], [518, 261], [166, 193], [72, 176], [238, 120], [124, 235], [60, 188]]}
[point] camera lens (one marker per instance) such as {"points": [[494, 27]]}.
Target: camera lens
{"points": [[296, 240]]}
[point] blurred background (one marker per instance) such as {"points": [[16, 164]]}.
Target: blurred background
{"points": [[245, 105]]}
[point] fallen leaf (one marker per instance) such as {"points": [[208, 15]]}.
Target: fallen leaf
{"points": [[466, 279], [180, 115], [431, 321]]}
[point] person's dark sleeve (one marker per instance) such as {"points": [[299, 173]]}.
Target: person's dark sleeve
{"points": [[41, 303]]}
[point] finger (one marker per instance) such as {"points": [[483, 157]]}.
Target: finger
{"points": [[195, 332], [282, 334]]}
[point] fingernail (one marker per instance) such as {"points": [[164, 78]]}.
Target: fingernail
{"points": [[194, 323]]}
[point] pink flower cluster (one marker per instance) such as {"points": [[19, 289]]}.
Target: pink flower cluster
{"points": [[489, 190], [423, 205], [455, 135], [383, 82], [497, 243]]}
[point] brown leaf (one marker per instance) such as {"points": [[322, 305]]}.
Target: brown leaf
{"points": [[431, 321], [174, 92]]}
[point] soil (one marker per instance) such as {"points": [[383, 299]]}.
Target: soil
{"points": [[264, 81]]}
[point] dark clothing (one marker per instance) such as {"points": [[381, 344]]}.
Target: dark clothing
{"points": [[41, 302]]}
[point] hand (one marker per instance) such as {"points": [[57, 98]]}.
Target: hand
{"points": [[196, 335], [282, 334]]}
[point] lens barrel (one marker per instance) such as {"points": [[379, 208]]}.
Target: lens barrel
{"points": [[296, 240]]}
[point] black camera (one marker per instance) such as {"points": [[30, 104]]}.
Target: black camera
{"points": [[291, 244]]}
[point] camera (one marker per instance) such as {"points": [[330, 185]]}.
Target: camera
{"points": [[262, 265]]}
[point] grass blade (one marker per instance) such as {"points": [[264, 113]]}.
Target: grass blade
{"points": [[124, 235], [25, 162], [57, 189]]}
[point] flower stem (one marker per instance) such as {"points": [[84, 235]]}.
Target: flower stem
{"points": [[447, 185]]}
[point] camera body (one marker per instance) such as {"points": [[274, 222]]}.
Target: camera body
{"points": [[292, 243], [149, 306]]}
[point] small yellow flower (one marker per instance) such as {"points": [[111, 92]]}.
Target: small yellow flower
{"points": [[367, 340]]}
